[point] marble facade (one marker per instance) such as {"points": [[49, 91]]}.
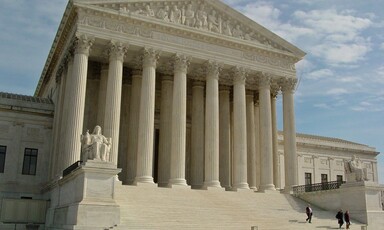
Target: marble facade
{"points": [[102, 54], [186, 91]]}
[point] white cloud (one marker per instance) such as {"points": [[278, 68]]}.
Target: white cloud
{"points": [[333, 22], [336, 91], [319, 74], [322, 106], [335, 54]]}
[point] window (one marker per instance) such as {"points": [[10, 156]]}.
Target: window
{"points": [[30, 161], [308, 182], [324, 181], [308, 178], [339, 179], [3, 149], [324, 178]]}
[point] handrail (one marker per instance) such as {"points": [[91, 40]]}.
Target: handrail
{"points": [[317, 187]]}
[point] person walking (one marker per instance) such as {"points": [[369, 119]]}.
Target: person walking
{"points": [[308, 211], [346, 219], [339, 217]]}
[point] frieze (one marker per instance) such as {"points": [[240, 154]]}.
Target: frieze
{"points": [[115, 25], [307, 160], [185, 42], [269, 60], [137, 30], [194, 14]]}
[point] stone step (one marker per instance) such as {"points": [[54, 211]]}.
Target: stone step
{"points": [[143, 207]]}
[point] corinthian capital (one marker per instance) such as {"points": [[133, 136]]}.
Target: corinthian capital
{"points": [[212, 69], [239, 75], [275, 90], [265, 80], [117, 50], [181, 63], [83, 44], [150, 57], [288, 84]]}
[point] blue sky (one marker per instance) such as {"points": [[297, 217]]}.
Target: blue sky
{"points": [[341, 80]]}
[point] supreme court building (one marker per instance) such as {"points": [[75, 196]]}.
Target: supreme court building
{"points": [[186, 90]]}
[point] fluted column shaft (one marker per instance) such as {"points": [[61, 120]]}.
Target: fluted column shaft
{"points": [[123, 134], [165, 130], [239, 131], [257, 143], [290, 154], [102, 94], [225, 136], [179, 117], [146, 119], [76, 101], [58, 115], [197, 135], [63, 130], [276, 164], [251, 147], [113, 98], [266, 147], [211, 177], [133, 126]]}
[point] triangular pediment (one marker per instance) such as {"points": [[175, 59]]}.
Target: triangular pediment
{"points": [[211, 16]]}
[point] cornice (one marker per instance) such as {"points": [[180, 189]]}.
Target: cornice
{"points": [[110, 19], [64, 31]]}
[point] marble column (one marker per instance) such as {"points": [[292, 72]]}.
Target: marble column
{"points": [[290, 154], [276, 165], [113, 97], [266, 147], [146, 119], [251, 147], [239, 130], [124, 122], [102, 94], [211, 177], [63, 125], [197, 135], [179, 121], [133, 125], [257, 141], [225, 136], [165, 141], [60, 85], [76, 101]]}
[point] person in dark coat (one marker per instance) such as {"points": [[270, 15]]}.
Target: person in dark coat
{"points": [[339, 217], [308, 211], [346, 218]]}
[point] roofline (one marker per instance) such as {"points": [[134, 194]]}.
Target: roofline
{"points": [[54, 46]]}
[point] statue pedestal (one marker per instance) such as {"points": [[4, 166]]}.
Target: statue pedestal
{"points": [[84, 199], [363, 200]]}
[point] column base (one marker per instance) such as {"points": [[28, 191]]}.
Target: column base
{"points": [[267, 187], [178, 182], [240, 186], [144, 179], [212, 185]]}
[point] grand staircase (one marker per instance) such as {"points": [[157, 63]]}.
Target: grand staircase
{"points": [[150, 207]]}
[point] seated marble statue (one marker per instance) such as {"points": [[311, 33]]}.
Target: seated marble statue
{"points": [[354, 166], [95, 146]]}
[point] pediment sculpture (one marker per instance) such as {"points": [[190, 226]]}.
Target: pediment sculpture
{"points": [[354, 170], [196, 14], [95, 146]]}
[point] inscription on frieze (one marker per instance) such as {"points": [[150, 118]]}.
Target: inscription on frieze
{"points": [[185, 42]]}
